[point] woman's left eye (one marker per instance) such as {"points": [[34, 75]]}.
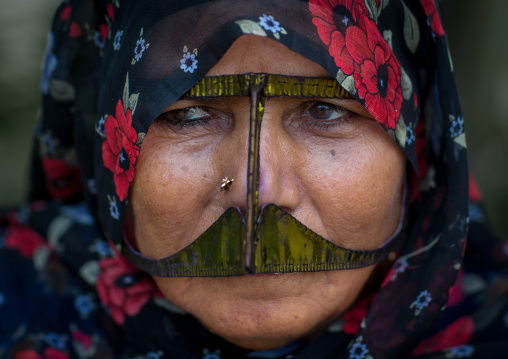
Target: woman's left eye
{"points": [[322, 111]]}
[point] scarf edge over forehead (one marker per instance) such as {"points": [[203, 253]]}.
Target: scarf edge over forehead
{"points": [[105, 50]]}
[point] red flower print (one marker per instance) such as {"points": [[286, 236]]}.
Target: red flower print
{"points": [[24, 240], [475, 194], [358, 49], [111, 12], [119, 150], [52, 353], [62, 180], [66, 13], [377, 73], [456, 334], [103, 29], [456, 293], [122, 288], [74, 30], [331, 26], [354, 317], [83, 339], [49, 353], [27, 354], [435, 22]]}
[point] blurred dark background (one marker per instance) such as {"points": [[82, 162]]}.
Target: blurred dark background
{"points": [[478, 37], [478, 40]]}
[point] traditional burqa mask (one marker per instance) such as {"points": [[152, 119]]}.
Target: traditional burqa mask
{"points": [[269, 241]]}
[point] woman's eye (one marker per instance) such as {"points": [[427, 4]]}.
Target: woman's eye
{"points": [[325, 112], [196, 118], [191, 117], [189, 114]]}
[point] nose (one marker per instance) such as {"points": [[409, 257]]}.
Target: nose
{"points": [[278, 180]]}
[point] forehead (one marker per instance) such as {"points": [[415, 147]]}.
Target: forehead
{"points": [[251, 53]]}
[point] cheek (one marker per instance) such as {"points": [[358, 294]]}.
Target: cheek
{"points": [[170, 192], [356, 189]]}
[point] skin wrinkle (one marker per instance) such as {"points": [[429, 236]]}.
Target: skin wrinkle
{"points": [[164, 189], [350, 211], [353, 199]]}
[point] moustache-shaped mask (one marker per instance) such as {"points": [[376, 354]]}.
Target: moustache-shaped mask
{"points": [[272, 241]]}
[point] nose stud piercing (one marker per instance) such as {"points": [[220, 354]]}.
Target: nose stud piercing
{"points": [[226, 184]]}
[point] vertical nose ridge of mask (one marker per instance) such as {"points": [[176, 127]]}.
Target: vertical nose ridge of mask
{"points": [[257, 102]]}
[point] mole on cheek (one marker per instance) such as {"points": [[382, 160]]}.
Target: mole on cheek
{"points": [[332, 152]]}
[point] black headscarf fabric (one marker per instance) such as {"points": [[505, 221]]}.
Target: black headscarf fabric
{"points": [[113, 66]]}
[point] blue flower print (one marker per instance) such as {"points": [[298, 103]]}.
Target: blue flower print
{"points": [[99, 128], [464, 351], [154, 355], [358, 351], [102, 248], [56, 341], [209, 355], [410, 137], [139, 49], [457, 127], [422, 301], [116, 41], [84, 304], [269, 23], [99, 40], [49, 66], [49, 143], [189, 62], [113, 208], [475, 212], [432, 32], [399, 267], [92, 186], [79, 213]]}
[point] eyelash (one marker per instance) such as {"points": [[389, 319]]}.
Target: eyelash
{"points": [[191, 123], [326, 124], [171, 117]]}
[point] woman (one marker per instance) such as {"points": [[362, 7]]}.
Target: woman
{"points": [[289, 179]]}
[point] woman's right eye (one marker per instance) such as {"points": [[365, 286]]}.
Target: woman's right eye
{"points": [[197, 120], [188, 116]]}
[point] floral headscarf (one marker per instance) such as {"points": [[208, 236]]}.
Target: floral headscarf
{"points": [[112, 66]]}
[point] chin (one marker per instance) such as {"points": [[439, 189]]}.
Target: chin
{"points": [[262, 324], [265, 311]]}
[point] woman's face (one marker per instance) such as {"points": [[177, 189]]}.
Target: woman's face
{"points": [[329, 164]]}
